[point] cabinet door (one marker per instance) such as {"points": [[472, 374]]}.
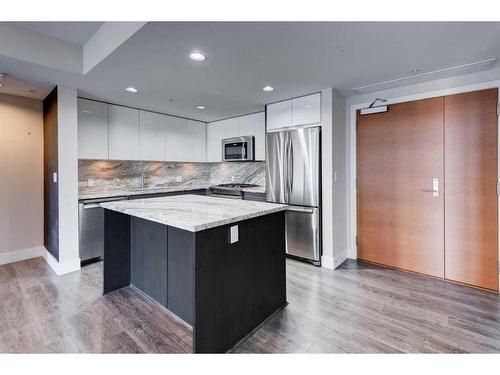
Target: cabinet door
{"points": [[175, 139], [152, 136], [231, 127], [279, 115], [215, 133], [123, 133], [246, 125], [92, 129], [196, 141], [306, 110], [260, 135]]}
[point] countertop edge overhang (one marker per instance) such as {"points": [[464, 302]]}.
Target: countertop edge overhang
{"points": [[194, 213]]}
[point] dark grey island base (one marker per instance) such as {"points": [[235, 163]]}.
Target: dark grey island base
{"points": [[223, 290]]}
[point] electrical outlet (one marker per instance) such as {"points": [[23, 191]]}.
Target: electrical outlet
{"points": [[90, 182], [178, 179], [54, 177], [232, 178], [233, 234]]}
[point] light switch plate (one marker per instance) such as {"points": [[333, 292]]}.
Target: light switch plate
{"points": [[54, 177], [90, 182], [233, 234]]}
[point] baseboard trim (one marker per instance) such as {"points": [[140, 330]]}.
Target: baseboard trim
{"points": [[327, 262], [340, 258], [22, 254], [61, 268], [335, 261]]}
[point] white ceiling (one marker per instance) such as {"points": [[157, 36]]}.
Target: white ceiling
{"points": [[295, 58], [74, 32]]}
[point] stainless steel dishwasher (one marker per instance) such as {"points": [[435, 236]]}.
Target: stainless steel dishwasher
{"points": [[91, 228]]}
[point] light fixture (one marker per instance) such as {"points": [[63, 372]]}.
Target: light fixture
{"points": [[1, 84], [267, 88], [131, 89], [197, 56], [201, 107], [86, 111]]}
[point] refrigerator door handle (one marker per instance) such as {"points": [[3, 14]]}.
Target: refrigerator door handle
{"points": [[289, 171], [308, 210]]}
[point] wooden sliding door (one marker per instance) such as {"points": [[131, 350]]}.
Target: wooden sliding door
{"points": [[427, 176], [471, 218], [399, 153]]}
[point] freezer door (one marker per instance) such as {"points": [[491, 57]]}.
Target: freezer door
{"points": [[277, 182], [303, 167], [303, 233]]}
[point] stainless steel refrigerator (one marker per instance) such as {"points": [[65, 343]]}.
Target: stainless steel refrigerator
{"points": [[293, 176]]}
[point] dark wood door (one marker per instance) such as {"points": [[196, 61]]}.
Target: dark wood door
{"points": [[471, 217], [399, 153]]}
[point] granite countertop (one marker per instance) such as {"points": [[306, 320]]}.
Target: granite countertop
{"points": [[194, 212], [172, 189]]}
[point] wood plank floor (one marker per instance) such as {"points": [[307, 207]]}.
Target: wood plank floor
{"points": [[359, 308]]}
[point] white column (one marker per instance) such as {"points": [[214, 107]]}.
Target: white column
{"points": [[67, 144], [327, 178]]}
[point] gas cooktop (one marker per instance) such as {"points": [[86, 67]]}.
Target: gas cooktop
{"points": [[235, 186]]}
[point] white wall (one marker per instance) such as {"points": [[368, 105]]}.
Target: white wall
{"points": [[21, 178], [340, 203], [327, 259]]}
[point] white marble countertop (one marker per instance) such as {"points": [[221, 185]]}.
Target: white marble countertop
{"points": [[194, 212]]}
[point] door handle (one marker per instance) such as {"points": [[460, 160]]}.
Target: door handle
{"points": [[435, 187]]}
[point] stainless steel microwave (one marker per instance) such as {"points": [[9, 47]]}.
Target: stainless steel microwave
{"points": [[238, 149]]}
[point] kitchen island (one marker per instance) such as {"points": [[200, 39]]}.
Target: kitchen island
{"points": [[218, 264]]}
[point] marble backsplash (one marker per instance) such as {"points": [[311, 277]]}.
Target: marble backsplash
{"points": [[95, 176]]}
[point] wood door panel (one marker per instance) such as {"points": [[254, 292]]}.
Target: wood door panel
{"points": [[399, 152], [471, 218]]}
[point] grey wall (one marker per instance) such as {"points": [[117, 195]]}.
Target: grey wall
{"points": [[111, 175], [50, 161]]}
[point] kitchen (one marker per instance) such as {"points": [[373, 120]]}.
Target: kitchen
{"points": [[231, 194]]}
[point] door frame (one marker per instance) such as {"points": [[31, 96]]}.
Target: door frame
{"points": [[351, 147]]}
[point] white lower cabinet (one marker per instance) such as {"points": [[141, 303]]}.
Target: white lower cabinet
{"points": [[92, 129], [152, 136], [124, 133], [196, 141]]}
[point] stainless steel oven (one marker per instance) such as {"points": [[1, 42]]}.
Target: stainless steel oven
{"points": [[238, 149]]}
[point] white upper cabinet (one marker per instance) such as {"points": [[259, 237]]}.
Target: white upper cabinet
{"points": [[249, 125], [92, 129], [231, 127], [176, 139], [215, 134], [306, 110], [152, 136], [260, 135], [196, 141], [279, 115], [123, 133], [246, 125]]}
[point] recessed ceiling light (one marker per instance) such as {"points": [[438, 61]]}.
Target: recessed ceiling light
{"points": [[86, 111], [267, 88], [131, 89], [1, 84], [201, 107], [197, 56]]}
